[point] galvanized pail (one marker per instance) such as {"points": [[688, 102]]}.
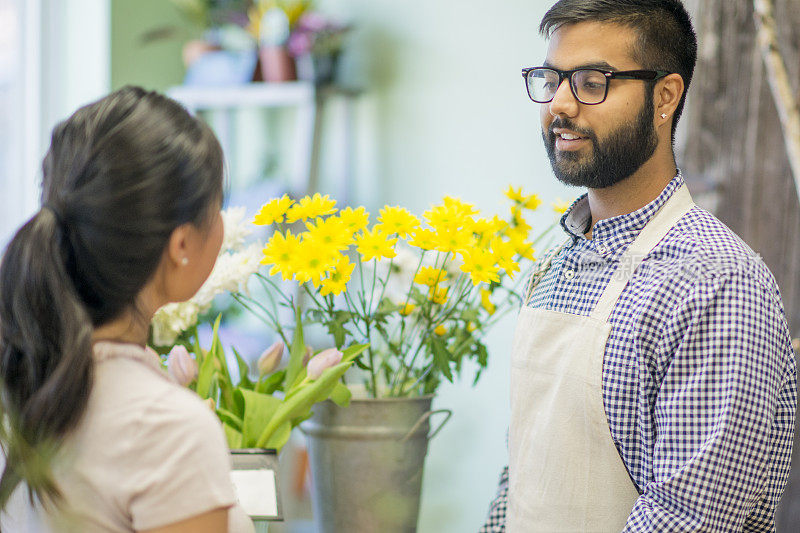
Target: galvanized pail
{"points": [[366, 463]]}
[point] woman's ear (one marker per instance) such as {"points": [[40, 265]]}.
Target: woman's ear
{"points": [[668, 95], [179, 247]]}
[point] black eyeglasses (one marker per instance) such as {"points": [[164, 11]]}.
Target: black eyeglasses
{"points": [[589, 85]]}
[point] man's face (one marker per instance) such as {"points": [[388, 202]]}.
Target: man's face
{"points": [[615, 137]]}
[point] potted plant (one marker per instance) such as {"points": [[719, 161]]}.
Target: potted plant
{"points": [[257, 413], [420, 294]]}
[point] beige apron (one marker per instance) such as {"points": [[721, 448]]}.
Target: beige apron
{"points": [[565, 471]]}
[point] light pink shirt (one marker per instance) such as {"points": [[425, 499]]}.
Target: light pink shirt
{"points": [[146, 454]]}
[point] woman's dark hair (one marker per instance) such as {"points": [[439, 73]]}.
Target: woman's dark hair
{"points": [[120, 175], [666, 38]]}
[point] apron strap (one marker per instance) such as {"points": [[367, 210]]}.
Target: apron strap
{"points": [[676, 206], [541, 269]]}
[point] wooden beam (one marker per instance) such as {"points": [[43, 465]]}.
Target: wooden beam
{"points": [[778, 79]]}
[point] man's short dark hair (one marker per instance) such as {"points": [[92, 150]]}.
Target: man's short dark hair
{"points": [[666, 39]]}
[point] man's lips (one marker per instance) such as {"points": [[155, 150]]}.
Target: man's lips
{"points": [[568, 140]]}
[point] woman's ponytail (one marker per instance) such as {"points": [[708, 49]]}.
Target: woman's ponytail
{"points": [[45, 347]]}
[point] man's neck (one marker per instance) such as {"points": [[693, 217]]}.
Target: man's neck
{"points": [[632, 193]]}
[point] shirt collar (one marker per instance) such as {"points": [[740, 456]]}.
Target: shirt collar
{"points": [[617, 230]]}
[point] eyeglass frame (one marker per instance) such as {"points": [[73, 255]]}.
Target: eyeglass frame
{"points": [[646, 75]]}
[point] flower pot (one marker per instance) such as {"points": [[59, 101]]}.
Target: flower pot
{"points": [[317, 68], [276, 64], [367, 461], [254, 475]]}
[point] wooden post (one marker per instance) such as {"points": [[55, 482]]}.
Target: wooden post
{"points": [[779, 84]]}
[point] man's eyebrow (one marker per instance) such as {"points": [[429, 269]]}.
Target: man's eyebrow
{"points": [[602, 65]]}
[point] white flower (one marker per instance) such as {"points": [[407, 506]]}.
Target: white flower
{"points": [[233, 269], [172, 320], [236, 230]]}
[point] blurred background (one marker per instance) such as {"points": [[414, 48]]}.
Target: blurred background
{"points": [[400, 103]]}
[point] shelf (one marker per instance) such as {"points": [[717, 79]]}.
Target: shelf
{"points": [[260, 94]]}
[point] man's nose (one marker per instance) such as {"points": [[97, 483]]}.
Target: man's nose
{"points": [[564, 102]]}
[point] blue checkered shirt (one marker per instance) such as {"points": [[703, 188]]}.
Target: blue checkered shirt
{"points": [[699, 376]]}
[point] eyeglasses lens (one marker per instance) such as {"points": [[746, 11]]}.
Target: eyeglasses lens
{"points": [[588, 86]]}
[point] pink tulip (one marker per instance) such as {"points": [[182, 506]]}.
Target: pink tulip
{"points": [[309, 353], [270, 359], [181, 366], [323, 361]]}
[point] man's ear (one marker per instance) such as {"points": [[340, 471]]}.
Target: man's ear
{"points": [[669, 92]]}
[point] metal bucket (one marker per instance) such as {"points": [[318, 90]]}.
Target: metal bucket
{"points": [[366, 463]]}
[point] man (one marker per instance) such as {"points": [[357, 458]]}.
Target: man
{"points": [[653, 382]]}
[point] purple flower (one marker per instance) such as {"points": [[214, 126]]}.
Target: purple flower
{"points": [[323, 361], [181, 366]]}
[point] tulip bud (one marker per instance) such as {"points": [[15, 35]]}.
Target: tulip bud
{"points": [[181, 366], [308, 355], [323, 361], [270, 359]]}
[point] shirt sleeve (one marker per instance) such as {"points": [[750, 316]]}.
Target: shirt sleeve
{"points": [[724, 412], [496, 519], [180, 467]]}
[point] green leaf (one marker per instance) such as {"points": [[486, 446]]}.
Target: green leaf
{"points": [[271, 383], [296, 353], [259, 409], [353, 351], [206, 372], [339, 333], [233, 437], [280, 436], [441, 357], [341, 395], [300, 403], [244, 378], [230, 418]]}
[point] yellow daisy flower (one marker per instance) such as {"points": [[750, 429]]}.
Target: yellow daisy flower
{"points": [[515, 195], [471, 327], [430, 276], [532, 202], [438, 295], [336, 282], [560, 206], [312, 261], [279, 252], [374, 244], [480, 266], [396, 220], [355, 219], [463, 208], [407, 309], [504, 253], [424, 239], [486, 303], [441, 217], [311, 207], [273, 211], [521, 244], [440, 330], [330, 232], [453, 240]]}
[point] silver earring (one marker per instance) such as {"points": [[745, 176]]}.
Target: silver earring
{"points": [[185, 261], [663, 115]]}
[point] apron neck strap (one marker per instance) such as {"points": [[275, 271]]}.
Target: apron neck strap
{"points": [[676, 206]]}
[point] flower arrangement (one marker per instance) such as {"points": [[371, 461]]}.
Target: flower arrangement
{"points": [[421, 293]]}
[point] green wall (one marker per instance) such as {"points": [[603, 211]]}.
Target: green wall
{"points": [[155, 65]]}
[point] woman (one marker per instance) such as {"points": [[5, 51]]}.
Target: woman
{"points": [[130, 221]]}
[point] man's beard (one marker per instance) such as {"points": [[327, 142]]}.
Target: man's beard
{"points": [[621, 154]]}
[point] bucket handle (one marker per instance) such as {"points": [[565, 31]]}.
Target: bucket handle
{"points": [[425, 417]]}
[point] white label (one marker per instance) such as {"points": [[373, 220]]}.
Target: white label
{"points": [[256, 491]]}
